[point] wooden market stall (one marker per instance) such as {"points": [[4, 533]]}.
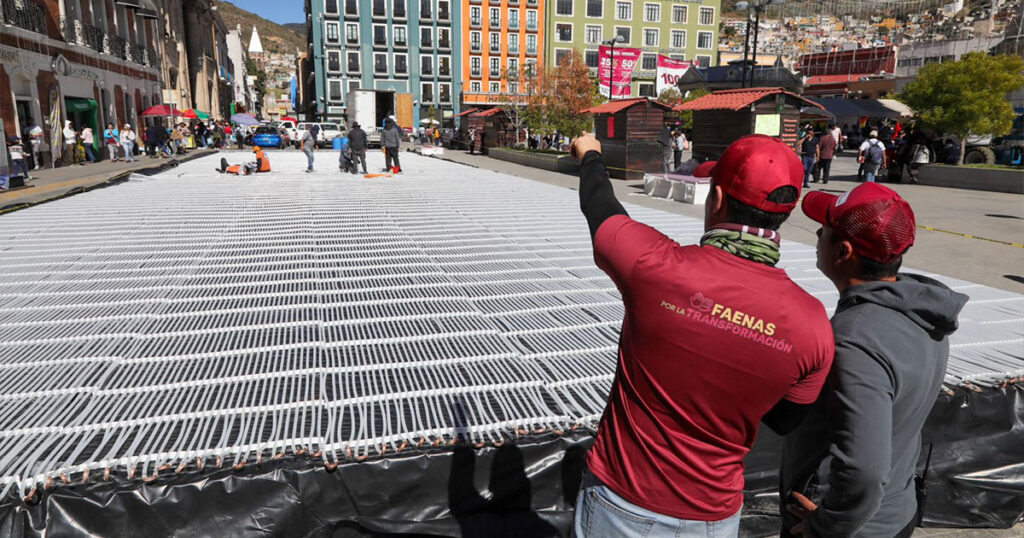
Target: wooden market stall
{"points": [[722, 117], [628, 131]]}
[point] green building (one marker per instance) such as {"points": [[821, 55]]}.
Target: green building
{"points": [[680, 29]]}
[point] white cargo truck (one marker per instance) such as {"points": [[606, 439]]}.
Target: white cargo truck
{"points": [[370, 107]]}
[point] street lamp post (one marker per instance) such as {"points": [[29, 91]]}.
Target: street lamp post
{"points": [[611, 67], [758, 6]]}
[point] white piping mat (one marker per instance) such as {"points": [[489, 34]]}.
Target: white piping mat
{"points": [[194, 319]]}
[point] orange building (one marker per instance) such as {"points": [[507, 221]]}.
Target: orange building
{"points": [[501, 39]]}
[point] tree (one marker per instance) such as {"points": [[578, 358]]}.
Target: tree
{"points": [[513, 104], [967, 96], [686, 116], [556, 97]]}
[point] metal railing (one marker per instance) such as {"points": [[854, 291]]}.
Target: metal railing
{"points": [[93, 37], [27, 16], [137, 53], [116, 46], [71, 29]]}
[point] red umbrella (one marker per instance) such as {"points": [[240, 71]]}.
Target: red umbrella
{"points": [[159, 110], [191, 114]]}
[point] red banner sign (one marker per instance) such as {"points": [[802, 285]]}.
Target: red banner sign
{"points": [[622, 73]]}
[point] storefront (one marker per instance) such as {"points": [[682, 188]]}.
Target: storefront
{"points": [[82, 113]]}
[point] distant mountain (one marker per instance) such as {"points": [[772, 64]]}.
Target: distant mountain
{"points": [[275, 37]]}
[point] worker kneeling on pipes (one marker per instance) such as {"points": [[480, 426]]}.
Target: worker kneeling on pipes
{"points": [[261, 164]]}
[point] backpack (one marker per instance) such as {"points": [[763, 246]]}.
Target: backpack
{"points": [[876, 153]]}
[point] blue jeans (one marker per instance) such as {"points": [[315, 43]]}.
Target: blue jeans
{"points": [[870, 170], [19, 163], [601, 513], [309, 157], [808, 167]]}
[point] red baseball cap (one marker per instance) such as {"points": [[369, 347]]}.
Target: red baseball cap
{"points": [[873, 218], [754, 166]]}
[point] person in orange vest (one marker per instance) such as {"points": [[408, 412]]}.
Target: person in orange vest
{"points": [[262, 164]]}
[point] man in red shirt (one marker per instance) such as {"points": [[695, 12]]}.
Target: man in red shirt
{"points": [[715, 340]]}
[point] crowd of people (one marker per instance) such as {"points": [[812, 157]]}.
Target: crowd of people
{"points": [[716, 340]]}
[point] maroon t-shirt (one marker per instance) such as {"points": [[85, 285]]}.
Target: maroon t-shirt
{"points": [[710, 343]]}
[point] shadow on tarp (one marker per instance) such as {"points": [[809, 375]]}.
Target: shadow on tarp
{"points": [[975, 479]]}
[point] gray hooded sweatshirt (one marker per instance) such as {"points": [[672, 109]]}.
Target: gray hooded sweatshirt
{"points": [[856, 452]]}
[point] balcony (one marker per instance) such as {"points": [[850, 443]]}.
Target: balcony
{"points": [[27, 16], [137, 53], [93, 37], [116, 46]]}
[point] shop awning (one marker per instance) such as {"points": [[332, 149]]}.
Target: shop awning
{"points": [[75, 104], [856, 108]]}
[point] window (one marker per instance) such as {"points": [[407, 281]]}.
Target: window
{"points": [[513, 68], [398, 9], [679, 14], [353, 62], [649, 62], [563, 7], [351, 7], [703, 61], [401, 64], [474, 66], [379, 8], [677, 57], [427, 92], [704, 40], [650, 37], [623, 32], [562, 56], [531, 44], [513, 43], [707, 15], [331, 6], [647, 90], [563, 32], [425, 9], [495, 20], [531, 20], [380, 63], [652, 13], [399, 35], [474, 41], [474, 86], [495, 67], [442, 10], [624, 11], [332, 32], [426, 38], [513, 88], [513, 19], [475, 18], [426, 65], [444, 38], [352, 33], [679, 39], [495, 42], [444, 66], [334, 94], [595, 8], [380, 34], [446, 92], [593, 34], [531, 66], [353, 85], [495, 87], [333, 60], [590, 57]]}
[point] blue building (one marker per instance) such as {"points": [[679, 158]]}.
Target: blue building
{"points": [[409, 46]]}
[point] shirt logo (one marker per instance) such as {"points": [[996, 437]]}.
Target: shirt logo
{"points": [[725, 318], [701, 303]]}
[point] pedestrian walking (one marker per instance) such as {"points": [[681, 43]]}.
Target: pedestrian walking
{"points": [[437, 136], [17, 151], [36, 136], [665, 140], [872, 155], [808, 153], [308, 144], [837, 135], [357, 142], [391, 138], [71, 155], [679, 144], [920, 155], [826, 152], [112, 139], [88, 139], [128, 140], [850, 465], [716, 339], [472, 140]]}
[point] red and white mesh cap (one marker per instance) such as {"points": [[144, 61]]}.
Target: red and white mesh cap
{"points": [[873, 218], [754, 166]]}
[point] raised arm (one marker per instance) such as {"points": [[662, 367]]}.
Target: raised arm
{"points": [[597, 197]]}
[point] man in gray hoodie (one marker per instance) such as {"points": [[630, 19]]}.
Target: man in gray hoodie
{"points": [[848, 470], [391, 138]]}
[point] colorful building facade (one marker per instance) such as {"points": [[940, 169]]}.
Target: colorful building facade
{"points": [[408, 46], [501, 40], [680, 29]]}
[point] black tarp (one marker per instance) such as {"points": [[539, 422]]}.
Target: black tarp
{"points": [[975, 479], [856, 108]]}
